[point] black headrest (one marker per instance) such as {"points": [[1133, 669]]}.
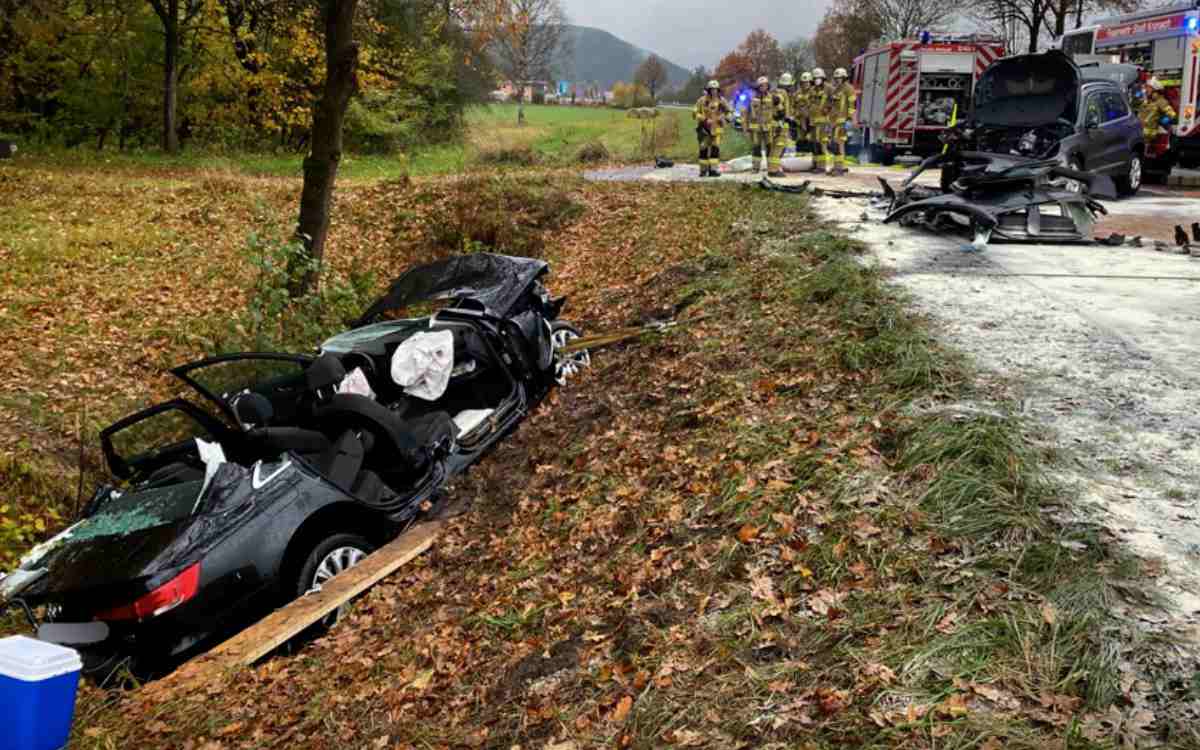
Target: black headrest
{"points": [[325, 372], [253, 409]]}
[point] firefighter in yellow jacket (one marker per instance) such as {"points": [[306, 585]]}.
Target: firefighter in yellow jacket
{"points": [[781, 124], [1156, 113], [759, 118], [841, 113], [710, 113], [801, 110], [820, 101]]}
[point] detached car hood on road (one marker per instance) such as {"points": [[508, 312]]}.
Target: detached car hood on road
{"points": [[1028, 91]]}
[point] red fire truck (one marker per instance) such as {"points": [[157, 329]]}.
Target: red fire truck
{"points": [[1162, 43], [910, 90]]}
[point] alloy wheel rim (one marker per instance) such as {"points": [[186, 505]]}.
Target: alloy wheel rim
{"points": [[1135, 173], [337, 561], [566, 367]]}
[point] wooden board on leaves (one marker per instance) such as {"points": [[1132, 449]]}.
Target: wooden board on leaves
{"points": [[285, 623]]}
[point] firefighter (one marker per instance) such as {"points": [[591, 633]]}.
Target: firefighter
{"points": [[710, 114], [800, 110], [841, 114], [781, 119], [819, 106], [760, 122], [1156, 112]]}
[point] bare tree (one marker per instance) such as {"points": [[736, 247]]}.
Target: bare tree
{"points": [[652, 74], [903, 19], [530, 38], [798, 55], [321, 164], [175, 16]]}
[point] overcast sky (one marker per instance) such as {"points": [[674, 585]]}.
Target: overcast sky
{"points": [[696, 32]]}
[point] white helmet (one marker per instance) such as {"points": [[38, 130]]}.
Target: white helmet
{"points": [[818, 74], [806, 77], [786, 79], [763, 81], [1155, 84], [839, 74], [714, 84]]}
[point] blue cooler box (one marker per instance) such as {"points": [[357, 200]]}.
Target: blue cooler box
{"points": [[37, 693]]}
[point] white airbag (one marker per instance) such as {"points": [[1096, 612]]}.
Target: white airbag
{"points": [[356, 383], [422, 364], [468, 420]]}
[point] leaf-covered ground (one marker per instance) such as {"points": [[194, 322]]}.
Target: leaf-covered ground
{"points": [[759, 529]]}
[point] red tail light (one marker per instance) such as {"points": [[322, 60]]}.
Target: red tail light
{"points": [[162, 599]]}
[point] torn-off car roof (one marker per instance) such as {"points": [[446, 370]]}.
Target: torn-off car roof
{"points": [[494, 281]]}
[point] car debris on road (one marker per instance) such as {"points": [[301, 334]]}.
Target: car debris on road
{"points": [[284, 470]]}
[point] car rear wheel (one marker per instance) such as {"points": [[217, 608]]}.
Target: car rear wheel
{"points": [[329, 558], [1132, 181], [1074, 186], [566, 366]]}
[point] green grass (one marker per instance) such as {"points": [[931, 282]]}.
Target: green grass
{"points": [[555, 134]]}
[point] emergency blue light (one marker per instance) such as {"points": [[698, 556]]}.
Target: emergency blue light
{"points": [[1192, 23], [926, 37]]}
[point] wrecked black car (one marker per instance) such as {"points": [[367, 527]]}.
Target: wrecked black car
{"points": [[288, 469], [1042, 144]]}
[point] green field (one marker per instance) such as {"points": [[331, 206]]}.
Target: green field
{"points": [[553, 135]]}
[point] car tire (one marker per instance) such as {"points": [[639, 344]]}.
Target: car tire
{"points": [[1131, 182], [561, 334], [332, 555], [1075, 163]]}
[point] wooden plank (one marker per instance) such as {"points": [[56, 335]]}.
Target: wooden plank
{"points": [[285, 623]]}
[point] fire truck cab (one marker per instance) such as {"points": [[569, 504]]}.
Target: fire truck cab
{"points": [[1163, 43], [911, 90]]}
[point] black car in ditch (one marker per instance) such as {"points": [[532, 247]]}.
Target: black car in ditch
{"points": [[1041, 106], [287, 469]]}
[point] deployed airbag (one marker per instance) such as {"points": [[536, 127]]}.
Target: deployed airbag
{"points": [[421, 365]]}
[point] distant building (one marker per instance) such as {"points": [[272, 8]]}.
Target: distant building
{"points": [[508, 92]]}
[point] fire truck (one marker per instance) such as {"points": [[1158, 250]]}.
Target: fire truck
{"points": [[911, 90], [1163, 43]]}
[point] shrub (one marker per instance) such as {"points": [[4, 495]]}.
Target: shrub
{"points": [[592, 153], [521, 155], [503, 214]]}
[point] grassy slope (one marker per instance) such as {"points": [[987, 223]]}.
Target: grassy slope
{"points": [[736, 534], [556, 134]]}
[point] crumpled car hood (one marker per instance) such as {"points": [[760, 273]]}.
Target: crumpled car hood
{"points": [[494, 281], [1028, 91]]}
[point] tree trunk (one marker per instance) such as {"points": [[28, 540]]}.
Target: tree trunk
{"points": [[321, 164], [170, 76]]}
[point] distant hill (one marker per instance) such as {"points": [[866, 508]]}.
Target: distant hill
{"points": [[600, 56]]}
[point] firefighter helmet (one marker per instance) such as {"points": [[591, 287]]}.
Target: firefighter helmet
{"points": [[806, 77], [786, 79], [839, 74], [763, 81], [818, 74], [1155, 84], [712, 85]]}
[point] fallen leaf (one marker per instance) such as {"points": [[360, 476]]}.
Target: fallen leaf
{"points": [[747, 533], [623, 707], [1049, 614], [422, 680]]}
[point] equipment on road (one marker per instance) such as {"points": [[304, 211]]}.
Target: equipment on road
{"points": [[910, 89]]}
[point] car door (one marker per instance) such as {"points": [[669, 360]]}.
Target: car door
{"points": [[277, 376], [1120, 122], [156, 437]]}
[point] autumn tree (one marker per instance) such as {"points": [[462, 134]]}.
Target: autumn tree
{"points": [[529, 39], [176, 17], [734, 70], [696, 83], [652, 74], [763, 51], [321, 164], [844, 33]]}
